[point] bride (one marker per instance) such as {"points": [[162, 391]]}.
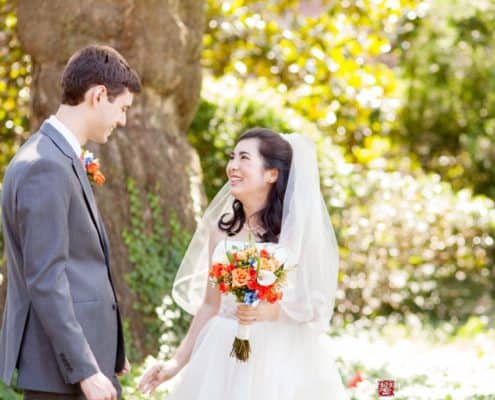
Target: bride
{"points": [[273, 194]]}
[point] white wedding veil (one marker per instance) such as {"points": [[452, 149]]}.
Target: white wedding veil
{"points": [[306, 235]]}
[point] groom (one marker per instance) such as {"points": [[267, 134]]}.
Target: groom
{"points": [[61, 325]]}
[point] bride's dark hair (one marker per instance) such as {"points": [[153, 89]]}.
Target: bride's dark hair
{"points": [[276, 153]]}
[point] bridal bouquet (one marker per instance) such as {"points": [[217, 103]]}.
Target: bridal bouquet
{"points": [[251, 275]]}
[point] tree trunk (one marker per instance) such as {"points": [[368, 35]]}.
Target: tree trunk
{"points": [[161, 39]]}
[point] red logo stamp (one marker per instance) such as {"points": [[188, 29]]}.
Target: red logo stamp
{"points": [[386, 388]]}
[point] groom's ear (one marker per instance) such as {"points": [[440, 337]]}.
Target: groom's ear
{"points": [[96, 94]]}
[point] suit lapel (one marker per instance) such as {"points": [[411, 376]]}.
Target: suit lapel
{"points": [[90, 199], [48, 130], [106, 246]]}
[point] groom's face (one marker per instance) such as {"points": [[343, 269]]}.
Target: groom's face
{"points": [[109, 113]]}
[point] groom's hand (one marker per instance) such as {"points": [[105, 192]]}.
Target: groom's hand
{"points": [[98, 387], [126, 369]]}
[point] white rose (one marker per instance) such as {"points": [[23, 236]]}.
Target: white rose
{"points": [[266, 278]]}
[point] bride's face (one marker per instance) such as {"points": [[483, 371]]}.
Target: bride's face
{"points": [[247, 173]]}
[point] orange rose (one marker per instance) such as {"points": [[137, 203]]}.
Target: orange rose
{"points": [[99, 178], [240, 277]]}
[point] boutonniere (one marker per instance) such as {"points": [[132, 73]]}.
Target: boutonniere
{"points": [[92, 167]]}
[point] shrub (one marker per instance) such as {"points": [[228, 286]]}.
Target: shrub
{"points": [[408, 243]]}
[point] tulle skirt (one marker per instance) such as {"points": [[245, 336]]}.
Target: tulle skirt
{"points": [[288, 361]]}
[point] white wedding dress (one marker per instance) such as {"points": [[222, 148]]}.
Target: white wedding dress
{"points": [[288, 361]]}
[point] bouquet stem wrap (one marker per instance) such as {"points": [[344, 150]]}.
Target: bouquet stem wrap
{"points": [[241, 348], [252, 275]]}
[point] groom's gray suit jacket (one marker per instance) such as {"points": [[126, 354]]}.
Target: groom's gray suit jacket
{"points": [[61, 321]]}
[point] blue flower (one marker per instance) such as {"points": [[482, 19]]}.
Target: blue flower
{"points": [[250, 297]]}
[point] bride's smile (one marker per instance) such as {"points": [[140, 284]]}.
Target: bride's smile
{"points": [[248, 176]]}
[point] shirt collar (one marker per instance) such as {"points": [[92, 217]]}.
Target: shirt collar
{"points": [[66, 133]]}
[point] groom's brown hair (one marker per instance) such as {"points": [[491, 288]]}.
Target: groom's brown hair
{"points": [[97, 65]]}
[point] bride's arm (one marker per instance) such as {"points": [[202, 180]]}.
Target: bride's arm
{"points": [[161, 372], [207, 310]]}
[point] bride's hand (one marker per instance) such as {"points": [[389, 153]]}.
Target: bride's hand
{"points": [[261, 312], [158, 374]]}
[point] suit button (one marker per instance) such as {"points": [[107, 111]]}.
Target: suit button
{"points": [[114, 307]]}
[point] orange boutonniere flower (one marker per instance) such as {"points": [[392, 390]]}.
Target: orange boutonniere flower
{"points": [[92, 167]]}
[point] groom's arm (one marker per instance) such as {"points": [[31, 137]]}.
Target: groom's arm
{"points": [[42, 211]]}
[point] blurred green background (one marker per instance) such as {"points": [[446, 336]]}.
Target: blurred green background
{"points": [[400, 97]]}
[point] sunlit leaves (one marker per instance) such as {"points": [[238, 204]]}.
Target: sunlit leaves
{"points": [[15, 70], [339, 56]]}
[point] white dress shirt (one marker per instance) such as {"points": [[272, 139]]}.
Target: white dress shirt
{"points": [[66, 133]]}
